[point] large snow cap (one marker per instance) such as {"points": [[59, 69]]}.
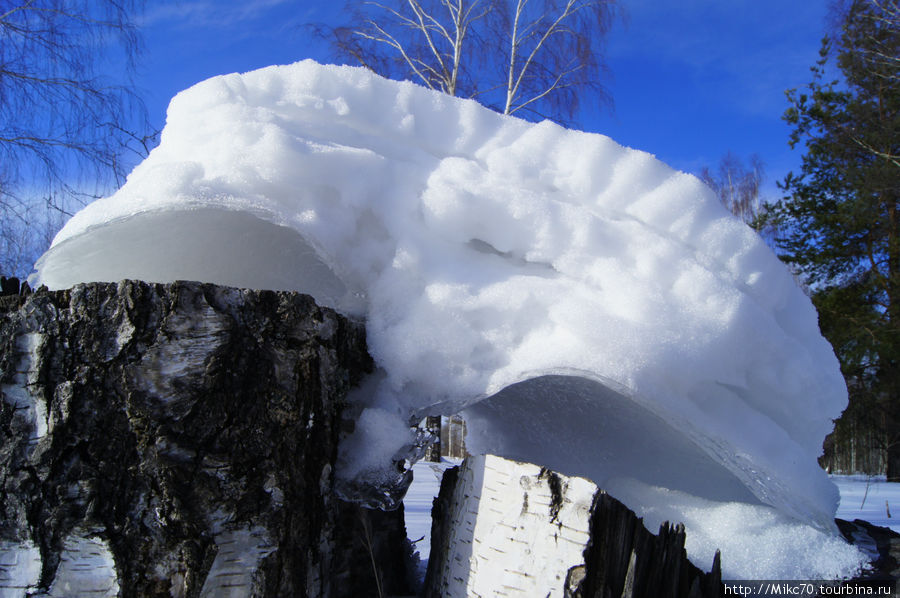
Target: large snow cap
{"points": [[595, 310]]}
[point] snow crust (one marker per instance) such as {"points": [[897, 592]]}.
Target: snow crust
{"points": [[548, 280]]}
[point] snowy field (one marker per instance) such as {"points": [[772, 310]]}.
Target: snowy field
{"points": [[869, 498]]}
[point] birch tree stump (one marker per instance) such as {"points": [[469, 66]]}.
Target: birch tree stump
{"points": [[503, 528]]}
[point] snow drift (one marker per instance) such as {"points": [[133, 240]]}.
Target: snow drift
{"points": [[592, 309]]}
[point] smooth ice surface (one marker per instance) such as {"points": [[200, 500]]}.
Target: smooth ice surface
{"points": [[484, 252]]}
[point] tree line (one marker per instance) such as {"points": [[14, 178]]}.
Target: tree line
{"points": [[837, 224]]}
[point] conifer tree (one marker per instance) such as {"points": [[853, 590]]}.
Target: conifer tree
{"points": [[839, 224]]}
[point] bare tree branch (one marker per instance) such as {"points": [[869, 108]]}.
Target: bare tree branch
{"points": [[62, 125], [429, 40], [737, 186], [528, 57]]}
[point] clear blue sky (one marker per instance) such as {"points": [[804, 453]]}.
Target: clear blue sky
{"points": [[690, 79]]}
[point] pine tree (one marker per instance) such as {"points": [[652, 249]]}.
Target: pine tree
{"points": [[839, 224]]}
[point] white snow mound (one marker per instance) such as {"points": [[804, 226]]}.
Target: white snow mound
{"points": [[595, 310]]}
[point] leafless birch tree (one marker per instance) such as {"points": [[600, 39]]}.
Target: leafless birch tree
{"points": [[553, 52], [420, 40], [59, 119], [737, 186], [527, 57], [429, 40]]}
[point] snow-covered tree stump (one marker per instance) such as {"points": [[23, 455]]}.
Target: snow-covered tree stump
{"points": [[504, 528], [179, 440]]}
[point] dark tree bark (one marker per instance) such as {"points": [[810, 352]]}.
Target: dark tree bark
{"points": [[180, 440], [433, 425]]}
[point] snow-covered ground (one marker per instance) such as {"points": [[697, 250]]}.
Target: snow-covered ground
{"points": [[869, 498]]}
